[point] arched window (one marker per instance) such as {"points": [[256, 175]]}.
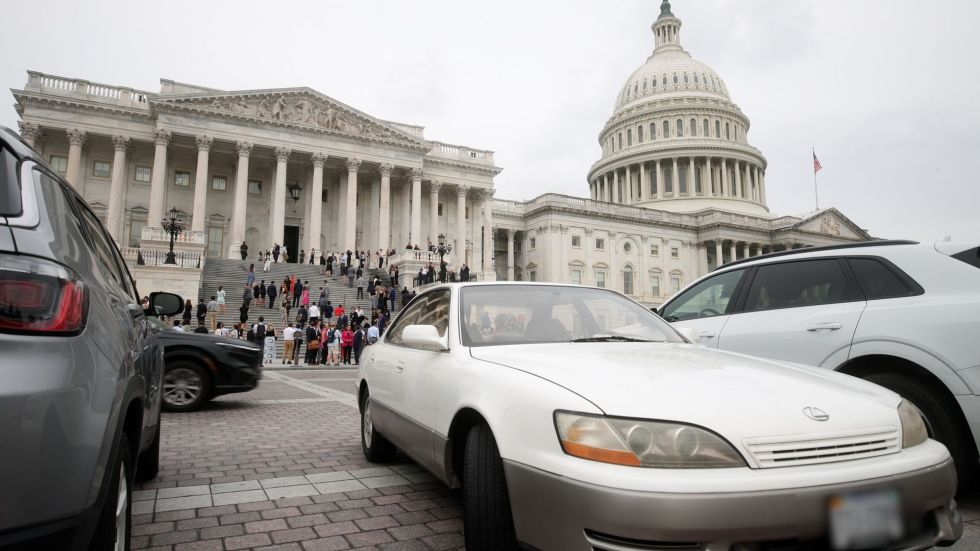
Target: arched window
{"points": [[696, 78], [728, 133], [706, 133], [665, 79], [629, 137], [717, 129], [686, 81], [627, 280], [666, 133], [636, 88], [620, 140], [694, 127], [675, 78], [680, 127], [644, 85], [653, 131], [653, 82], [639, 134]]}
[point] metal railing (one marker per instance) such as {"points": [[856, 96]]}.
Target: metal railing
{"points": [[187, 236], [136, 256]]}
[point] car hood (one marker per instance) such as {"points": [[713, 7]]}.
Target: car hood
{"points": [[735, 395], [201, 339]]}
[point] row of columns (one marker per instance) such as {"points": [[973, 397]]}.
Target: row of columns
{"points": [[620, 185], [735, 247]]}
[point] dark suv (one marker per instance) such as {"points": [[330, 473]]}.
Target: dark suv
{"points": [[80, 392]]}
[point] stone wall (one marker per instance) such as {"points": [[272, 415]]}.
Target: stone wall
{"points": [[182, 281]]}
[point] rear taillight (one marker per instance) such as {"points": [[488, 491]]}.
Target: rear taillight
{"points": [[40, 297]]}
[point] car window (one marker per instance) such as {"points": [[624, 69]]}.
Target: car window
{"points": [[878, 281], [712, 297], [970, 256], [436, 312], [101, 247], [9, 184], [407, 317], [802, 283]]}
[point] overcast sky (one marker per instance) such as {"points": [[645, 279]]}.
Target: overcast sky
{"points": [[887, 91]]}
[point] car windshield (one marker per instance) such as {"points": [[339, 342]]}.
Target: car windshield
{"points": [[493, 315]]}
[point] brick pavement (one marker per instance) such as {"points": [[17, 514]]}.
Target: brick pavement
{"points": [[281, 467]]}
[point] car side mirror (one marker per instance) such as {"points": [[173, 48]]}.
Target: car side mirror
{"points": [[165, 304], [425, 336], [690, 334]]}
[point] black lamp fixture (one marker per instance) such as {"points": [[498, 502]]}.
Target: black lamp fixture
{"points": [[294, 191], [174, 227]]}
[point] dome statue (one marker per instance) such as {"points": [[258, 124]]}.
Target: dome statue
{"points": [[675, 140]]}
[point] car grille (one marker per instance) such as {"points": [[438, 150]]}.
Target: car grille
{"points": [[786, 451]]}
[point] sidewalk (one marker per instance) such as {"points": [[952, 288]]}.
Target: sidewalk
{"points": [[278, 365]]}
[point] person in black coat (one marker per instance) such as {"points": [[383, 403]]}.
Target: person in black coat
{"points": [[359, 340], [312, 334], [202, 311], [297, 292], [270, 291]]}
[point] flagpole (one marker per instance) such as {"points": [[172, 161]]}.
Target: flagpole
{"points": [[816, 193]]}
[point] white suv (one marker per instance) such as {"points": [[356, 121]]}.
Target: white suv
{"points": [[902, 314]]}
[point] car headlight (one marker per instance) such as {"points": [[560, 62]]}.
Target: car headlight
{"points": [[637, 443], [913, 427]]}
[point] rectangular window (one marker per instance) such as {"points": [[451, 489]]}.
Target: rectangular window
{"points": [[440, 210], [101, 169], [577, 276], [142, 175], [675, 284], [654, 250], [655, 285], [216, 235], [576, 241], [600, 244], [878, 281], [675, 253], [254, 187], [532, 243], [219, 183], [182, 178], [59, 163], [600, 279]]}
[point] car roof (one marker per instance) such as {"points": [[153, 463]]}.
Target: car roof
{"points": [[762, 259]]}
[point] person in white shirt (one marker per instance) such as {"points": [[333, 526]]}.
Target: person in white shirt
{"points": [[373, 334], [314, 313], [288, 339]]}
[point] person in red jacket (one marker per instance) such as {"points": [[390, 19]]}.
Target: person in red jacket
{"points": [[346, 344]]}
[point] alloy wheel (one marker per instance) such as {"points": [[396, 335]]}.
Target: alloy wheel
{"points": [[122, 509], [182, 386], [366, 426]]}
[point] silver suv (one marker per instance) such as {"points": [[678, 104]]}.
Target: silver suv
{"points": [[82, 372], [901, 314]]}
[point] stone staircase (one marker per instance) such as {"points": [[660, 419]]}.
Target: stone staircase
{"points": [[231, 275]]}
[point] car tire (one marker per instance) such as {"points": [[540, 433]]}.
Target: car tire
{"points": [[488, 524], [113, 530], [149, 462], [377, 448], [185, 386], [942, 426]]}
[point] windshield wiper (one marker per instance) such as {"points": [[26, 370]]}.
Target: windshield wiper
{"points": [[611, 338]]}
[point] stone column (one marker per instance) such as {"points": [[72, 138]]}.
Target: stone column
{"points": [[384, 230], [675, 179], [277, 221], [239, 201], [488, 232], [406, 221], [477, 260], [198, 221], [692, 189], [417, 207], [645, 191], [660, 181], [350, 222], [73, 172], [703, 247], [738, 180], [615, 189], [316, 202], [158, 178], [117, 189], [460, 246], [31, 132], [724, 178], [434, 211], [734, 251], [745, 250], [510, 255], [719, 254]]}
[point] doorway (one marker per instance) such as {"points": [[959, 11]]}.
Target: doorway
{"points": [[291, 240]]}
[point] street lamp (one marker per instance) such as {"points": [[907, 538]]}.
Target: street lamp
{"points": [[443, 249], [294, 191], [174, 227]]}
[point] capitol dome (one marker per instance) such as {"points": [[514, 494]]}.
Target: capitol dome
{"points": [[675, 140]]}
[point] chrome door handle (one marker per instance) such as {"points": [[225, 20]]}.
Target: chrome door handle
{"points": [[706, 334], [831, 326]]}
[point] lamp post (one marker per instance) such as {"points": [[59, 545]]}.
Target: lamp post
{"points": [[443, 249], [174, 227]]}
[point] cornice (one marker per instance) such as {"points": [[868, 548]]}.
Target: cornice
{"points": [[491, 170], [664, 148], [70, 105]]}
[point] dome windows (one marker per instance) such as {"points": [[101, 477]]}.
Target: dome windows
{"points": [[680, 128], [695, 78], [653, 131], [705, 133], [675, 78], [644, 85], [717, 129], [639, 134], [728, 132], [685, 79], [665, 79], [629, 137], [620, 140], [694, 128], [666, 133]]}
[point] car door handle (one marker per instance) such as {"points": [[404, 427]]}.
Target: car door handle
{"points": [[706, 334], [400, 367], [830, 326]]}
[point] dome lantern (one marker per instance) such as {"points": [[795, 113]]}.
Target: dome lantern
{"points": [[667, 29]]}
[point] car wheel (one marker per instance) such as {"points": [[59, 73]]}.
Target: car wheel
{"points": [[942, 425], [185, 387], [377, 448], [149, 462], [113, 529], [487, 519]]}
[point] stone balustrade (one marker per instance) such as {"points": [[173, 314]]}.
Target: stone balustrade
{"points": [[461, 153], [83, 89]]}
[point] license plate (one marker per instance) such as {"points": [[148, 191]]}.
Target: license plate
{"points": [[866, 520]]}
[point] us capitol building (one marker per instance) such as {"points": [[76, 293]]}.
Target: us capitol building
{"points": [[677, 191]]}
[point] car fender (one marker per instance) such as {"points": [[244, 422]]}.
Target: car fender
{"points": [[924, 358]]}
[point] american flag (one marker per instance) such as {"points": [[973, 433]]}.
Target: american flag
{"points": [[816, 164]]}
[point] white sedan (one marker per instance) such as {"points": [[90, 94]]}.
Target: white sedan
{"points": [[575, 419]]}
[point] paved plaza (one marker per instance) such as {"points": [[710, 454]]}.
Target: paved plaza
{"points": [[281, 468]]}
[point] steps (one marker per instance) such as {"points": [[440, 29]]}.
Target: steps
{"points": [[231, 275]]}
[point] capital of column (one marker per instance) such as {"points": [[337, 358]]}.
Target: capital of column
{"points": [[386, 169], [462, 190], [120, 143], [283, 153], [162, 136], [511, 233], [204, 142], [76, 136], [434, 187], [416, 173], [244, 148], [319, 159], [353, 164], [29, 130]]}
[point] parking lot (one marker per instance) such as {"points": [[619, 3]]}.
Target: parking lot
{"points": [[281, 468]]}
